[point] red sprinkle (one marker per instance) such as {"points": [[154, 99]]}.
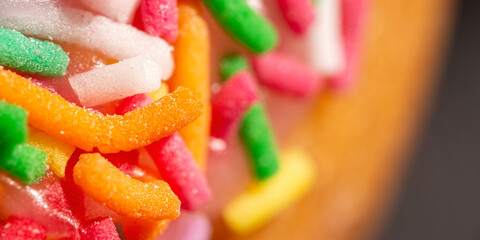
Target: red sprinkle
{"points": [[160, 18], [299, 14], [133, 102], [100, 229], [179, 170], [231, 102], [286, 74], [124, 161], [22, 228]]}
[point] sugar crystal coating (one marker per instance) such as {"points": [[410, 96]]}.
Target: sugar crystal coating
{"points": [[178, 168], [160, 18], [119, 41], [142, 129], [44, 203], [126, 196], [31, 55], [85, 129], [116, 81]]}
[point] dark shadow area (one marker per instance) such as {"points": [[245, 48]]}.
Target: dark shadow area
{"points": [[440, 198]]}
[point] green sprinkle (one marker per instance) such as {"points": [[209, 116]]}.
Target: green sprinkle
{"points": [[17, 158], [13, 125], [244, 24], [232, 64], [258, 138], [31, 55], [26, 163], [6, 151]]}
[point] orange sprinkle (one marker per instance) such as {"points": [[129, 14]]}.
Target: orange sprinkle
{"points": [[124, 195], [85, 129], [144, 230], [139, 229], [192, 54]]}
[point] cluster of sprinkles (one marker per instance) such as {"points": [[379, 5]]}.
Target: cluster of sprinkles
{"points": [[106, 112]]}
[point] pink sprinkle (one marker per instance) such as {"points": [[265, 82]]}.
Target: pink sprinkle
{"points": [[353, 23], [178, 168], [232, 101], [37, 51], [286, 74], [101, 229], [160, 18], [22, 228], [299, 14], [133, 102], [124, 161], [189, 226]]}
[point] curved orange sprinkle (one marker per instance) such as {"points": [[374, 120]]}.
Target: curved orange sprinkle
{"points": [[85, 129], [192, 70], [139, 229], [124, 195]]}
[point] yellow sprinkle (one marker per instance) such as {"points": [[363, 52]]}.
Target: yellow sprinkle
{"points": [[159, 93], [263, 201], [57, 151]]}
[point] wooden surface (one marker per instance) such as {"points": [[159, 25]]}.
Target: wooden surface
{"points": [[361, 140]]}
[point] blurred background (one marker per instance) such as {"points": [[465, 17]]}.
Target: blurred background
{"points": [[440, 195]]}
